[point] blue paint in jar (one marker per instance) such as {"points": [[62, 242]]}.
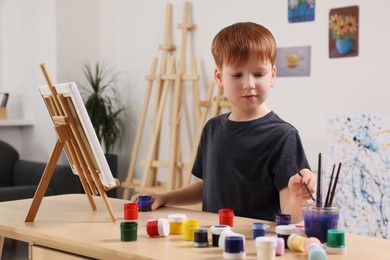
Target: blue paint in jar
{"points": [[144, 203], [259, 229], [283, 219]]}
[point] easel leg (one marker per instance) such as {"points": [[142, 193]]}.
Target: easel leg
{"points": [[44, 183], [1, 245]]}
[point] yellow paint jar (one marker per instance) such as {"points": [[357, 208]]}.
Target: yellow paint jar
{"points": [[176, 223], [189, 227], [296, 242]]}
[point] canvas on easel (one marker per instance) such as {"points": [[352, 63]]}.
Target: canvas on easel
{"points": [[78, 139]]}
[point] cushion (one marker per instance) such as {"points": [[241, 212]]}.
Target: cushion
{"points": [[8, 157]]}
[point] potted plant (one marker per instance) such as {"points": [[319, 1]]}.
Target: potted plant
{"points": [[102, 102]]}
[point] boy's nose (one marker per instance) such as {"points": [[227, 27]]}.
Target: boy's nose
{"points": [[249, 83]]}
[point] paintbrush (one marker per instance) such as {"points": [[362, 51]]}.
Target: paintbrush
{"points": [[329, 188], [334, 186], [307, 188], [319, 189]]}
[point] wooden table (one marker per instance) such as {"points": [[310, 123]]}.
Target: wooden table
{"points": [[68, 224]]}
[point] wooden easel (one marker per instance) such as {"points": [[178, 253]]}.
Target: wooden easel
{"points": [[218, 103], [70, 139], [169, 77]]}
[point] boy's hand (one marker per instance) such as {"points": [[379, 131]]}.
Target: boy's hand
{"points": [[297, 183], [157, 199]]}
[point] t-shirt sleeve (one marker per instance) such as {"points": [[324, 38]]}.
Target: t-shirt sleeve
{"points": [[289, 157], [197, 168]]}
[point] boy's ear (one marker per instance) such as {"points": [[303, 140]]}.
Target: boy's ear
{"points": [[274, 71], [218, 77]]}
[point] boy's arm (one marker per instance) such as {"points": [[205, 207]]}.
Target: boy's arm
{"points": [[190, 194], [293, 196]]}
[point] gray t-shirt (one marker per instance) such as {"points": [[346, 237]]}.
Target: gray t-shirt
{"points": [[244, 165]]}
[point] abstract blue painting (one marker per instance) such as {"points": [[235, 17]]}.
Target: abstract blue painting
{"points": [[362, 144]]}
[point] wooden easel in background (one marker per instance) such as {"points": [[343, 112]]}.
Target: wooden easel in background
{"points": [[70, 139], [170, 77]]}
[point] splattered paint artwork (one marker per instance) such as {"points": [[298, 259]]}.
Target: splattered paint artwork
{"points": [[362, 144]]}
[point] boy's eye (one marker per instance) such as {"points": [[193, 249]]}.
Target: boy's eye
{"points": [[237, 75], [259, 74]]}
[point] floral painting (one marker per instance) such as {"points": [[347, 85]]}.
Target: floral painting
{"points": [[300, 10], [344, 32], [362, 143]]}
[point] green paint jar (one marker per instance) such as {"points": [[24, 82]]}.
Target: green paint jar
{"points": [[129, 231]]}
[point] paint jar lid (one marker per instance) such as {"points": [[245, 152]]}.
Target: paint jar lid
{"points": [[191, 223], [128, 231], [266, 242], [234, 244], [279, 246], [163, 227], [200, 236], [226, 212], [217, 229], [260, 225], [227, 233], [129, 225], [336, 242], [283, 219], [130, 206], [144, 200], [317, 252], [176, 217], [285, 229]]}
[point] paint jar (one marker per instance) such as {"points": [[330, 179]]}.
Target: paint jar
{"points": [[157, 227], [189, 227], [259, 229], [227, 233], [316, 252], [201, 238], [176, 223], [144, 203], [336, 242], [130, 211], [266, 248], [284, 231], [216, 231], [234, 248], [226, 217], [129, 231], [314, 249], [296, 242], [283, 219], [279, 246]]}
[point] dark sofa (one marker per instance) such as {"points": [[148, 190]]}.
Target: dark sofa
{"points": [[19, 179]]}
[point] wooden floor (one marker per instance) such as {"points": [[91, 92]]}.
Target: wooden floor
{"points": [[14, 250]]}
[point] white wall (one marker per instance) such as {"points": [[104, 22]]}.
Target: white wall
{"points": [[127, 33]]}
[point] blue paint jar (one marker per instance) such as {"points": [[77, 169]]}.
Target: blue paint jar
{"points": [[234, 248], [144, 203], [283, 219], [259, 229]]}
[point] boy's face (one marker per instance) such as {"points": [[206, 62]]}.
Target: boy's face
{"points": [[246, 86]]}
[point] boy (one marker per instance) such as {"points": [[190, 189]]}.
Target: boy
{"points": [[247, 159]]}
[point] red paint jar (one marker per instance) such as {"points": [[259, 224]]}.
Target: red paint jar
{"points": [[130, 211], [226, 217], [157, 227]]}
